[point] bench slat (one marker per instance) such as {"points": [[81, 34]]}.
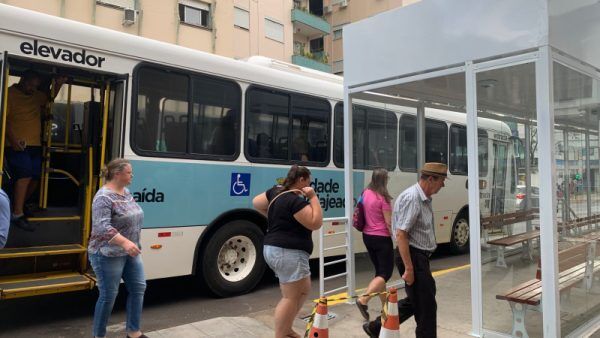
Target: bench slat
{"points": [[515, 239]]}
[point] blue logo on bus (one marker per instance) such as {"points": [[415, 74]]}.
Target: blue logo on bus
{"points": [[240, 184]]}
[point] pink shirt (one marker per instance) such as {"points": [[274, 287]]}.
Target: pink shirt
{"points": [[374, 205]]}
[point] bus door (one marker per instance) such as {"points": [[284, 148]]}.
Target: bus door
{"points": [[499, 177], [81, 132]]}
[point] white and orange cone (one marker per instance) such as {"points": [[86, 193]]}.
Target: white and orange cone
{"points": [[391, 323], [319, 328]]}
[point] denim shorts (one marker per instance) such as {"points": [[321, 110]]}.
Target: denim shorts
{"points": [[290, 265]]}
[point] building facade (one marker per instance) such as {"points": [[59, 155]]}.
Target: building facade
{"points": [[307, 33], [234, 28]]}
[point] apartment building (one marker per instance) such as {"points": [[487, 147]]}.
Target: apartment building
{"points": [[307, 33], [232, 28], [327, 48]]}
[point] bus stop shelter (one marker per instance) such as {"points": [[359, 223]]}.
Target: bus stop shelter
{"points": [[533, 66]]}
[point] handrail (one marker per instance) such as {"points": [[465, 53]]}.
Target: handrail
{"points": [[349, 256]]}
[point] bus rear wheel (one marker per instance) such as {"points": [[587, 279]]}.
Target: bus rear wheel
{"points": [[232, 261], [459, 242]]}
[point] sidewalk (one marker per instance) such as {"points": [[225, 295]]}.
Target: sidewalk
{"points": [[454, 317]]}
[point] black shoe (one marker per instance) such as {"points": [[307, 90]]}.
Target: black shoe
{"points": [[367, 330], [29, 210], [21, 222], [364, 310]]}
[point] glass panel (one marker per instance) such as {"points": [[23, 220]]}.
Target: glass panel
{"points": [[408, 143], [161, 119], [310, 129], [215, 124], [267, 124], [576, 108], [382, 139], [436, 141], [507, 118]]}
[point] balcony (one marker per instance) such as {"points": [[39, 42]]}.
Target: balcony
{"points": [[304, 61], [309, 25]]}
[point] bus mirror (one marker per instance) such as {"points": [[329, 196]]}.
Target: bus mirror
{"points": [[467, 184]]}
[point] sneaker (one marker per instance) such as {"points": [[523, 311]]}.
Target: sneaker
{"points": [[364, 310], [368, 331], [21, 222]]}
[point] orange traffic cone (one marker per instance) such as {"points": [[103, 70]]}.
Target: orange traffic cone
{"points": [[391, 324], [319, 328]]}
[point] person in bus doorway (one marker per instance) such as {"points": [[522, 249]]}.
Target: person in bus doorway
{"points": [[293, 212], [23, 138], [4, 218], [413, 226], [376, 236], [114, 248]]}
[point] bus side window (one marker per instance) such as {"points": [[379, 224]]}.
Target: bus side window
{"points": [[436, 141], [408, 143]]}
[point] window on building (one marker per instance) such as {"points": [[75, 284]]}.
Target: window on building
{"points": [[194, 13], [374, 137], [270, 138], [168, 124], [337, 33], [241, 18], [273, 30], [316, 45]]}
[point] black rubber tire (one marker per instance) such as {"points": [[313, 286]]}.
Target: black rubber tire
{"points": [[212, 278], [462, 247]]}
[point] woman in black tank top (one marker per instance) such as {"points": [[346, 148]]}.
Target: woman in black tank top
{"points": [[293, 211]]}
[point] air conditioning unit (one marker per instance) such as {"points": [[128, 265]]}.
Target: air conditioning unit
{"points": [[344, 3], [130, 17], [327, 9]]}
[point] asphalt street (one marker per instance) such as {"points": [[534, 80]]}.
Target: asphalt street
{"points": [[168, 302]]}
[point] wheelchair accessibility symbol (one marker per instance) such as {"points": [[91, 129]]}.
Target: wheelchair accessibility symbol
{"points": [[240, 184]]}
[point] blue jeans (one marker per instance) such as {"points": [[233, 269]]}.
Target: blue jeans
{"points": [[109, 271]]}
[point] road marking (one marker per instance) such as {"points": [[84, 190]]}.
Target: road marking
{"points": [[345, 294], [443, 272]]}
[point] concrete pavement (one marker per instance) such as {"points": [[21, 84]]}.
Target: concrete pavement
{"points": [[454, 317]]}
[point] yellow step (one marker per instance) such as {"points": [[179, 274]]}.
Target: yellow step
{"points": [[54, 218], [36, 251], [43, 284]]}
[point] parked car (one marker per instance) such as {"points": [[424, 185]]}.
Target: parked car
{"points": [[521, 197]]}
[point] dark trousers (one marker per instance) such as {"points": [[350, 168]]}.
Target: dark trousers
{"points": [[420, 300]]}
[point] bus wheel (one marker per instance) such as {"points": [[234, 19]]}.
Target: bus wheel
{"points": [[232, 261], [459, 242]]}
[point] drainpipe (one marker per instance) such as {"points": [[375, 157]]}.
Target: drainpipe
{"points": [[213, 34]]}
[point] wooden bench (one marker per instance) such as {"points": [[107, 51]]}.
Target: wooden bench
{"points": [[504, 221], [576, 264], [576, 226]]}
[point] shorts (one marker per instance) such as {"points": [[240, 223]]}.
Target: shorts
{"points": [[289, 265], [24, 164]]}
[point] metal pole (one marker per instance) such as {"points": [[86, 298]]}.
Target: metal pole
{"points": [[68, 118], [420, 135], [473, 184], [349, 191], [547, 165], [528, 194], [321, 263], [588, 173]]}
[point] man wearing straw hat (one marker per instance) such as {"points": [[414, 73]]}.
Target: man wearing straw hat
{"points": [[413, 226]]}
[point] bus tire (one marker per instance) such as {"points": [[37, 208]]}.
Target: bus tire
{"points": [[232, 260], [459, 241]]}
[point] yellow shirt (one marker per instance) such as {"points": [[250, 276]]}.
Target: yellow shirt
{"points": [[25, 115]]}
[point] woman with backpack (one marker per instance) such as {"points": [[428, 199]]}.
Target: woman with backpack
{"points": [[377, 231], [293, 212]]}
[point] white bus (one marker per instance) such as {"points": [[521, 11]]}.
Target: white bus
{"points": [[205, 134]]}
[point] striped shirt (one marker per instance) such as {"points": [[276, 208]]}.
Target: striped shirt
{"points": [[413, 214]]}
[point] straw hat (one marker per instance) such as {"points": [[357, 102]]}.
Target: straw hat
{"points": [[435, 169]]}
